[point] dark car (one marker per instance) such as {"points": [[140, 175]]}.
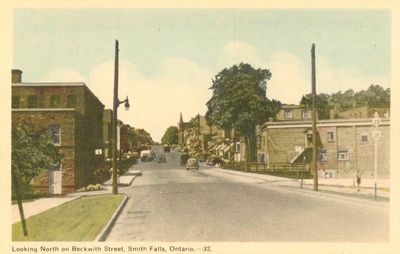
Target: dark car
{"points": [[184, 157], [161, 158], [167, 149]]}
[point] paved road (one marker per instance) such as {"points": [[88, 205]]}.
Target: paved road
{"points": [[169, 203]]}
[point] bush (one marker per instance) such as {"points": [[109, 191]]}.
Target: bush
{"points": [[91, 187]]}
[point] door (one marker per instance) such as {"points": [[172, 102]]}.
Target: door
{"points": [[55, 180]]}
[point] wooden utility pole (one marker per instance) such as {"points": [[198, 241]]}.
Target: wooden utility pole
{"points": [[314, 119], [114, 122]]}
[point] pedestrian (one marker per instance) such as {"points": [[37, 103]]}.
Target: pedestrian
{"points": [[358, 182]]}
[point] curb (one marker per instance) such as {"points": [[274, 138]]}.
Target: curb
{"points": [[330, 194], [102, 236], [127, 184]]}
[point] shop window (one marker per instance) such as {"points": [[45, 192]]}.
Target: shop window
{"points": [[343, 156]]}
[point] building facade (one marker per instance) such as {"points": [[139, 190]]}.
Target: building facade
{"points": [[74, 117], [346, 147]]}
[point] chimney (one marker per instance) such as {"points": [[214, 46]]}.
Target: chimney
{"points": [[16, 76]]}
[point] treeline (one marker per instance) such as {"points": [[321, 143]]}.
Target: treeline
{"points": [[341, 101]]}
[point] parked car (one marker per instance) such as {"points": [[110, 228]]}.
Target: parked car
{"points": [[167, 149], [184, 157], [146, 155], [161, 158], [192, 163]]}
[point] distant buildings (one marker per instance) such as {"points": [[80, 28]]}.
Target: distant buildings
{"points": [[345, 145]]}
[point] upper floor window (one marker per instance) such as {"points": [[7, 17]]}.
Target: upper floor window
{"points": [[330, 136], [54, 101], [71, 101], [15, 101], [33, 101], [55, 132], [288, 114], [305, 114]]}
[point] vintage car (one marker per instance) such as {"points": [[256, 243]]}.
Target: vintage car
{"points": [[147, 155], [161, 158], [184, 157], [167, 149], [192, 163]]}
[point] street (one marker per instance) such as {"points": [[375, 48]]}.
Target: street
{"points": [[170, 203]]}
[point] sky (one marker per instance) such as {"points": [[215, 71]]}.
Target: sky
{"points": [[168, 57]]}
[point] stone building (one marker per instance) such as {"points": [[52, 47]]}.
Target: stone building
{"points": [[346, 147], [74, 116]]}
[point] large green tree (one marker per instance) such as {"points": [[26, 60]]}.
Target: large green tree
{"points": [[32, 151], [321, 103], [239, 101], [170, 136], [342, 101]]}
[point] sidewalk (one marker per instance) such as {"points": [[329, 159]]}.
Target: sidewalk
{"points": [[43, 204], [342, 187]]}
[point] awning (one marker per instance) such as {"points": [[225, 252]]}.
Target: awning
{"points": [[226, 148]]}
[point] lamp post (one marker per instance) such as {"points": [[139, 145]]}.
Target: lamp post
{"points": [[376, 134], [116, 103]]}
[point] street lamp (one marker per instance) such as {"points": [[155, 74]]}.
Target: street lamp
{"points": [[116, 103]]}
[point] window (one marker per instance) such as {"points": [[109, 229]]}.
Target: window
{"points": [[238, 147], [288, 113], [364, 138], [71, 101], [54, 101], [55, 132], [330, 136], [15, 101], [305, 114], [343, 156], [33, 101], [323, 156], [55, 167]]}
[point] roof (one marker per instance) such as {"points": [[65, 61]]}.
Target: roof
{"points": [[324, 123]]}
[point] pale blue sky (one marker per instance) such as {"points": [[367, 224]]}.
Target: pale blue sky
{"points": [[354, 47]]}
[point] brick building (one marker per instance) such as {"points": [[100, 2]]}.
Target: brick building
{"points": [[74, 116], [345, 146]]}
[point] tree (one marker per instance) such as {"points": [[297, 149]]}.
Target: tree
{"points": [[239, 101], [321, 104], [32, 151], [170, 136], [141, 137]]}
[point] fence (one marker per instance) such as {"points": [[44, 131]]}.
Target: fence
{"points": [[297, 170]]}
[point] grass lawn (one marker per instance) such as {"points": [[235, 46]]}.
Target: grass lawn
{"points": [[78, 220]]}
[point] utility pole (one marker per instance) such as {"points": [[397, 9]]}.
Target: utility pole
{"points": [[116, 103], [114, 122], [314, 119]]}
